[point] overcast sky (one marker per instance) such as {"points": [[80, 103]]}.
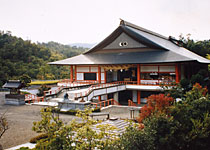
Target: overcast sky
{"points": [[90, 21]]}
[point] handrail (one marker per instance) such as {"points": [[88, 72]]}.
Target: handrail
{"points": [[95, 85], [98, 86], [142, 82], [52, 92], [33, 98], [131, 103], [106, 103], [68, 83]]}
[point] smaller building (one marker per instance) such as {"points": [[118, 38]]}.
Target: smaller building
{"points": [[14, 97]]}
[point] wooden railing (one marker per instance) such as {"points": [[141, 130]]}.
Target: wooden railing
{"points": [[131, 103], [68, 83], [53, 92], [93, 85], [31, 98], [105, 103], [97, 86]]}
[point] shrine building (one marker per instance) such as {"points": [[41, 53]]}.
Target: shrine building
{"points": [[136, 57]]}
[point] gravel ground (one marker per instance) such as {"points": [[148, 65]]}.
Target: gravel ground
{"points": [[21, 118]]}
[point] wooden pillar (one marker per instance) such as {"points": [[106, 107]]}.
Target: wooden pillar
{"points": [[75, 70], [138, 74], [105, 76], [139, 97], [99, 74], [180, 72], [71, 74], [99, 79], [177, 73], [99, 98]]}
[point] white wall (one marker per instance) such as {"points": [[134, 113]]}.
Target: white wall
{"points": [[134, 96], [82, 69], [149, 68], [116, 95], [80, 76], [167, 69]]}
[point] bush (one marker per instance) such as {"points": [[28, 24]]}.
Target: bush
{"points": [[197, 79], [25, 79], [135, 139], [42, 89], [185, 83], [37, 138], [97, 110], [24, 92]]}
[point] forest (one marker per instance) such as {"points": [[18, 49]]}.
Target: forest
{"points": [[20, 57]]}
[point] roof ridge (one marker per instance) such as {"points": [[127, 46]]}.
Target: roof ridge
{"points": [[126, 23]]}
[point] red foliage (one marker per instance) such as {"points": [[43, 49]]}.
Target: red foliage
{"points": [[198, 87], [155, 104]]}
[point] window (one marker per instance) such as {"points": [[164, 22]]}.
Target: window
{"points": [[167, 77], [149, 76], [89, 76]]}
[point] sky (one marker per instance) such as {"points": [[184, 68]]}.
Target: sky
{"points": [[91, 21]]}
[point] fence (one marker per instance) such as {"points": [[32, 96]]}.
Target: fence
{"points": [[31, 98]]}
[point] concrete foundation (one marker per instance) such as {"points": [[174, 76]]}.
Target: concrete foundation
{"points": [[11, 99], [73, 105]]}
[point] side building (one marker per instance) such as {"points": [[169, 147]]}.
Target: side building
{"points": [[136, 57]]}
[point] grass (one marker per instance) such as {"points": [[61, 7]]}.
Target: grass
{"points": [[43, 82]]}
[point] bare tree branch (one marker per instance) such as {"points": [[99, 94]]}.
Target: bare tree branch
{"points": [[3, 124]]}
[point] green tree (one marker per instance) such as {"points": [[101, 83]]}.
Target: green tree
{"points": [[185, 126], [41, 90], [75, 135], [57, 133], [18, 57], [25, 79]]}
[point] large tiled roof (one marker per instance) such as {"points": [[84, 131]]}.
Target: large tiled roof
{"points": [[160, 49]]}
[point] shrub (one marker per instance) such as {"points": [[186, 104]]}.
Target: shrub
{"points": [[25, 79], [38, 137], [155, 104], [42, 89], [97, 110], [185, 83], [197, 79]]}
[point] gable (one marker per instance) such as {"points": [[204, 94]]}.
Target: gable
{"points": [[123, 41]]}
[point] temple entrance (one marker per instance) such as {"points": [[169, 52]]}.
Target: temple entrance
{"points": [[124, 96], [111, 76], [120, 73], [127, 75]]}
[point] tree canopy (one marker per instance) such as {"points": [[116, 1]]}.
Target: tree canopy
{"points": [[19, 57]]}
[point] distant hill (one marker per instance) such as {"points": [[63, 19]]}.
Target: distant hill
{"points": [[66, 50], [19, 57], [84, 45]]}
